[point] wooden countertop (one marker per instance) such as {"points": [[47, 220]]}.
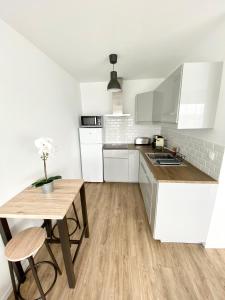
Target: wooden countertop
{"points": [[187, 173], [33, 204]]}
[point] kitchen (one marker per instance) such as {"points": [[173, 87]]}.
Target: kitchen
{"points": [[174, 191], [135, 112]]}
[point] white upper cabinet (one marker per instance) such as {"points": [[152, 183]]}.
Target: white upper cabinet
{"points": [[143, 107], [189, 96]]}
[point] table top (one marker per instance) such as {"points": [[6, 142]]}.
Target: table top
{"points": [[33, 204]]}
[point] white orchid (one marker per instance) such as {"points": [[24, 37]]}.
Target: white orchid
{"points": [[44, 145], [45, 148]]}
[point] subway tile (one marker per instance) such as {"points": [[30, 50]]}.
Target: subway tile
{"points": [[196, 151]]}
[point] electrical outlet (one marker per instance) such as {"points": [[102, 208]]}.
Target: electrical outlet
{"points": [[211, 155]]}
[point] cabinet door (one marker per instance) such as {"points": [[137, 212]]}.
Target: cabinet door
{"points": [[153, 210], [133, 165], [170, 90], [157, 106], [115, 169], [143, 107], [199, 94], [141, 179], [146, 180]]}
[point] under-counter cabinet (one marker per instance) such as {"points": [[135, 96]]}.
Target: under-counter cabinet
{"points": [[115, 165], [177, 211], [148, 186], [133, 165], [121, 165], [188, 97]]}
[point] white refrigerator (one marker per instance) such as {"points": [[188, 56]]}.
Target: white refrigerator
{"points": [[91, 154]]}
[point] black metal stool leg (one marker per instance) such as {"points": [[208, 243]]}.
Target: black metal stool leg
{"points": [[52, 257], [13, 280], [33, 269], [76, 215]]}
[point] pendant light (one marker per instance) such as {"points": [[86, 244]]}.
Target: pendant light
{"points": [[113, 85]]}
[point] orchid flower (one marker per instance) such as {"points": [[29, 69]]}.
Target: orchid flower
{"points": [[45, 149]]}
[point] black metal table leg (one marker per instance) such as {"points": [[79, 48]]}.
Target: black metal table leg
{"points": [[48, 226], [6, 236], [84, 210], [65, 245]]}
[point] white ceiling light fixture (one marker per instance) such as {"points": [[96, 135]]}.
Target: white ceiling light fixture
{"points": [[113, 85]]}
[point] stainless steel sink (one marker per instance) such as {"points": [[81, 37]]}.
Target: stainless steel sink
{"points": [[159, 155], [164, 159]]}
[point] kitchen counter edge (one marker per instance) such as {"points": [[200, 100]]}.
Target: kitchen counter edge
{"points": [[167, 174]]}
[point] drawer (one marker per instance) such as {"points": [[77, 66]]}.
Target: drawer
{"points": [[115, 153]]}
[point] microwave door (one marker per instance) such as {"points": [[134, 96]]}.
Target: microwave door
{"points": [[88, 121]]}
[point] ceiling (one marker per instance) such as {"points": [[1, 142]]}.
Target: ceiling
{"points": [[150, 37]]}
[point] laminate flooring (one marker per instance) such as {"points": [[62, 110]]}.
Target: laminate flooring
{"points": [[121, 260]]}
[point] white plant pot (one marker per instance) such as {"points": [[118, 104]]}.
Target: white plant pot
{"points": [[47, 188]]}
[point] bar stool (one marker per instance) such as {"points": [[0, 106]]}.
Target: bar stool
{"points": [[75, 220], [25, 245]]}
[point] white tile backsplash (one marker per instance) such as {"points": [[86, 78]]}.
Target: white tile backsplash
{"points": [[196, 150], [124, 130]]}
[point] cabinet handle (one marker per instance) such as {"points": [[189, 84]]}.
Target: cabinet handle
{"points": [[148, 179], [143, 167]]}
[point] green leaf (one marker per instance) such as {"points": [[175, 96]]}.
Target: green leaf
{"points": [[43, 181]]}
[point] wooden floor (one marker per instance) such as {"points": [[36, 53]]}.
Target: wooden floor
{"points": [[121, 261]]}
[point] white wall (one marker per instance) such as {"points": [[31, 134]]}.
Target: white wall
{"points": [[97, 100], [37, 98]]}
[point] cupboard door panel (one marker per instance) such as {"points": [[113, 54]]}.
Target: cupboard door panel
{"points": [[171, 96], [143, 107], [133, 165], [116, 169]]}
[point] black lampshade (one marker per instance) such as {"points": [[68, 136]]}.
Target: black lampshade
{"points": [[114, 85]]}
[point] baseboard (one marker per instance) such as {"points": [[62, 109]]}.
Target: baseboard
{"points": [[7, 293], [213, 246]]}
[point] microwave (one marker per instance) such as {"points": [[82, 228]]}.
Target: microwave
{"points": [[91, 121]]}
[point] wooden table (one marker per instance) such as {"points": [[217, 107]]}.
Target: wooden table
{"points": [[33, 204]]}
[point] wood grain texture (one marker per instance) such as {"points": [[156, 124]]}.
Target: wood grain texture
{"points": [[182, 174], [33, 204], [25, 244], [121, 261]]}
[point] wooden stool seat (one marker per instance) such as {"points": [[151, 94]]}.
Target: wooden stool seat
{"points": [[25, 244]]}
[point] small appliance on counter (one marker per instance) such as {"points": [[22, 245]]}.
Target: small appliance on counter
{"points": [[158, 142], [142, 141], [91, 121]]}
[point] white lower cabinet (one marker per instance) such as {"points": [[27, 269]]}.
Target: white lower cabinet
{"points": [[121, 165], [115, 165], [177, 212], [133, 165], [148, 188]]}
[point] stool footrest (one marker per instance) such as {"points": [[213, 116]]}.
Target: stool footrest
{"points": [[29, 269]]}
